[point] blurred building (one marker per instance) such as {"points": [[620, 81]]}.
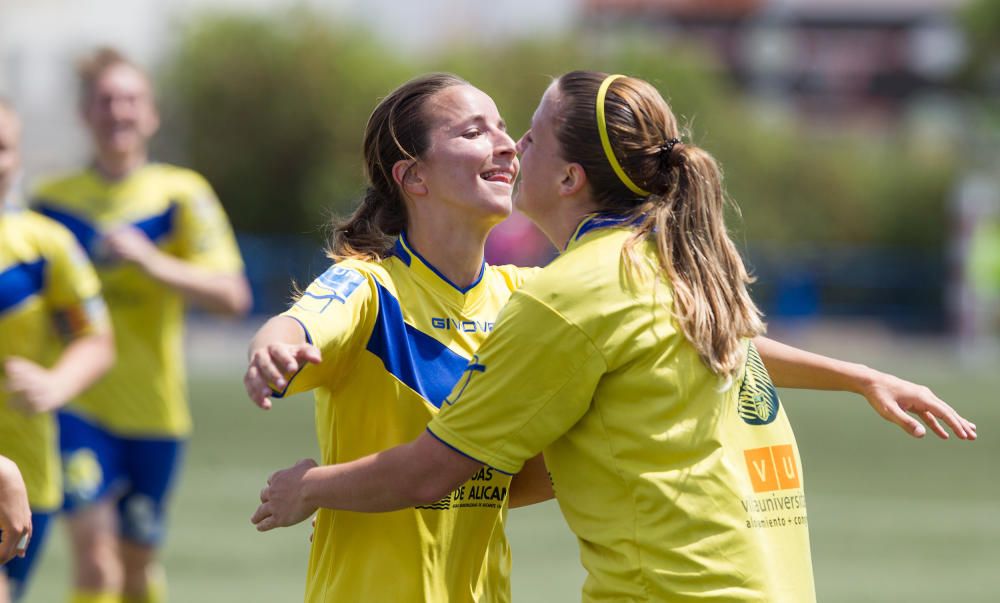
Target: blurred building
{"points": [[829, 60]]}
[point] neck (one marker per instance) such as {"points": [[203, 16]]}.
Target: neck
{"points": [[115, 166], [456, 251], [560, 224]]}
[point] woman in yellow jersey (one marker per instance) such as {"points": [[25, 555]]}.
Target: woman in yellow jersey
{"points": [[629, 361], [159, 239], [54, 342], [386, 332]]}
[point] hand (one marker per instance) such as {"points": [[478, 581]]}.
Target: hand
{"points": [[281, 503], [32, 388], [15, 515], [272, 366], [893, 398], [130, 244]]}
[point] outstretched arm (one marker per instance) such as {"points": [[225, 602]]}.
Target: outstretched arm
{"points": [[277, 351], [225, 293], [36, 389], [891, 397], [418, 473]]}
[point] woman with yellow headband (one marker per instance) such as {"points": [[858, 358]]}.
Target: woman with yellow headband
{"points": [[629, 362]]}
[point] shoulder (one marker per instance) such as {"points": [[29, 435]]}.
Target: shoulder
{"points": [[60, 186], [32, 222], [186, 183], [513, 276]]}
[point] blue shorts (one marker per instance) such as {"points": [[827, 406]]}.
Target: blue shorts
{"points": [[137, 472], [18, 569]]}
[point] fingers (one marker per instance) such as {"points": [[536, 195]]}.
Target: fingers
{"points": [[262, 515], [309, 353], [257, 389], [894, 413], [264, 495], [22, 544]]}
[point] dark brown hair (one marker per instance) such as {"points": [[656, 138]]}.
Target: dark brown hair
{"points": [[397, 129], [683, 216]]}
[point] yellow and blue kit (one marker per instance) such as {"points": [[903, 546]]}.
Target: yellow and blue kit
{"points": [[49, 294], [678, 486], [125, 433], [395, 337]]}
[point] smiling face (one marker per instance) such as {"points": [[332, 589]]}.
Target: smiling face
{"points": [[119, 111], [470, 164], [10, 157]]}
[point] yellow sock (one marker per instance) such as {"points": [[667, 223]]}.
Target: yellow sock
{"points": [[89, 597], [157, 592]]}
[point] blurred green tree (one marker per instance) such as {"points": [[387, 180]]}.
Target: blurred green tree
{"points": [[273, 108]]}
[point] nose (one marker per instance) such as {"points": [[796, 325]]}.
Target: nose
{"points": [[519, 147], [504, 144]]}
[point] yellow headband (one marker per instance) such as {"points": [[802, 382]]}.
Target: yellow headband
{"points": [[602, 127]]}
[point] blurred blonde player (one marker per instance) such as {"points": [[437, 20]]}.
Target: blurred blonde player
{"points": [[54, 342], [159, 238]]}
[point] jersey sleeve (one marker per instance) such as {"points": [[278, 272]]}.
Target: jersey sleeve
{"points": [[206, 237], [531, 380], [72, 289], [337, 312]]}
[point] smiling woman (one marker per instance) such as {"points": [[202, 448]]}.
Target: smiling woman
{"points": [[384, 335]]}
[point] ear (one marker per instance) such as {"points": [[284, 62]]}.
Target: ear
{"points": [[574, 179], [406, 174]]}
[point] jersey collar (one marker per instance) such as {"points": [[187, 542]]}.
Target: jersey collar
{"points": [[426, 272], [597, 221]]}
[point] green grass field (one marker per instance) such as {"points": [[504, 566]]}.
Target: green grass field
{"points": [[891, 518]]}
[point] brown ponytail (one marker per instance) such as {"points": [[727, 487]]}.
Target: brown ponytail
{"points": [[683, 216], [396, 130]]}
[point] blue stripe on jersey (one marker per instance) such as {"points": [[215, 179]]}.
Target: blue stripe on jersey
{"points": [[401, 252], [423, 363], [84, 232], [159, 226], [21, 281], [155, 227]]}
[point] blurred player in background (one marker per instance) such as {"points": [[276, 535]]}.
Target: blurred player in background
{"points": [[159, 239], [647, 413], [54, 342]]}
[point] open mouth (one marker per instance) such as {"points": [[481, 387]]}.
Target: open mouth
{"points": [[498, 175]]}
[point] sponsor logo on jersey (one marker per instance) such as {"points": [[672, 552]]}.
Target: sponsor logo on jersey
{"points": [[758, 400], [773, 468], [465, 326]]}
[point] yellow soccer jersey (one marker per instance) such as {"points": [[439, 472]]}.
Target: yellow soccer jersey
{"points": [[144, 394], [395, 338], [677, 491], [48, 294]]}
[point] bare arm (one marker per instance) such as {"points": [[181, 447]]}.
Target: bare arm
{"points": [[891, 397], [531, 484], [15, 515], [277, 351], [225, 293], [418, 473], [36, 389]]}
